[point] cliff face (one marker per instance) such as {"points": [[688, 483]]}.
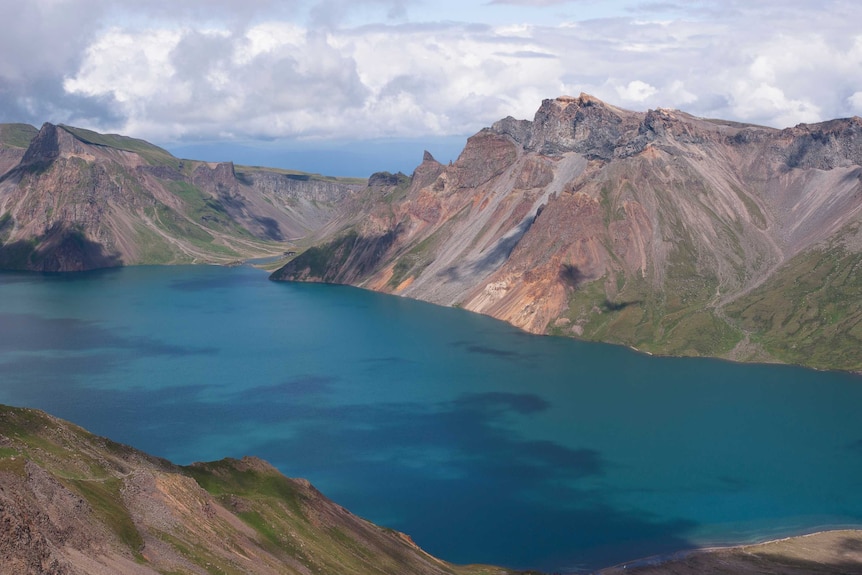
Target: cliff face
{"points": [[71, 200], [73, 503], [659, 230]]}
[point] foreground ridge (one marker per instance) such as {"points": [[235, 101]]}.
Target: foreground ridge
{"points": [[75, 503]]}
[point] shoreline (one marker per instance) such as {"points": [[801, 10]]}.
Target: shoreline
{"points": [[839, 547]]}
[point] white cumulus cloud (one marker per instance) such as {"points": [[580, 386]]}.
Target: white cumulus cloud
{"points": [[264, 69], [635, 91]]}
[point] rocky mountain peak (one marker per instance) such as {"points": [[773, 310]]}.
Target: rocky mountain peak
{"points": [[428, 170], [600, 222], [44, 148], [584, 124]]}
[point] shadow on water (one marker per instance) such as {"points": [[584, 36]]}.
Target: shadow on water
{"points": [[8, 277], [481, 349], [29, 332], [470, 470], [449, 473]]}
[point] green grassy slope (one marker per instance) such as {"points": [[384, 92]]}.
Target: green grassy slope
{"points": [[809, 312], [229, 516], [17, 135], [154, 155]]}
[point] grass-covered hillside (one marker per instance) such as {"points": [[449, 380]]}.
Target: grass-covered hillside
{"points": [[74, 503]]}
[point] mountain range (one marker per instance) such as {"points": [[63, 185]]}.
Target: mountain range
{"points": [[72, 200], [658, 230]]}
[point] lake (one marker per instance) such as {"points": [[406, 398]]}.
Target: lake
{"points": [[483, 443]]}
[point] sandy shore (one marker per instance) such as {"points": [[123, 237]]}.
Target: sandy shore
{"points": [[825, 552]]}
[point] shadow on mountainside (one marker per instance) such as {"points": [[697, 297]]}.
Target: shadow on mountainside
{"points": [[61, 249], [572, 276]]}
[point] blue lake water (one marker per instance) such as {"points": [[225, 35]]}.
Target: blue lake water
{"points": [[483, 443]]}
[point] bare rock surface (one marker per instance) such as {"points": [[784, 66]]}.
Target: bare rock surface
{"points": [[658, 230]]}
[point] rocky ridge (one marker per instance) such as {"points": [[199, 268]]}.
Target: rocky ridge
{"points": [[73, 503], [71, 200], [659, 230]]}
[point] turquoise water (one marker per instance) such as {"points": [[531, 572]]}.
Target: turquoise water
{"points": [[483, 443]]}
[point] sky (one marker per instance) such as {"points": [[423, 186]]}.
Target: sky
{"points": [[347, 87]]}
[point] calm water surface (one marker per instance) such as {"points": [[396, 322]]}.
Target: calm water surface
{"points": [[481, 442]]}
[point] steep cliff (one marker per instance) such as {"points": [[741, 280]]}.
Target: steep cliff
{"points": [[71, 199], [659, 230]]}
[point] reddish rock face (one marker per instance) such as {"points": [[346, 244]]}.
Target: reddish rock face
{"points": [[615, 222]]}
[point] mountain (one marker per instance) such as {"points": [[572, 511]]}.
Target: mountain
{"points": [[74, 503], [72, 199], [658, 230]]}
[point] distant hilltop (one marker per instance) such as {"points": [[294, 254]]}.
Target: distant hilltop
{"points": [[72, 199]]}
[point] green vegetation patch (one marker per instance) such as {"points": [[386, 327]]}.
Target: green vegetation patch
{"points": [[420, 256], [699, 333], [210, 212], [156, 250], [17, 135], [179, 226], [640, 316], [808, 312], [752, 208], [225, 478], [399, 191], [154, 155], [8, 452], [7, 223], [107, 503], [13, 464], [324, 260]]}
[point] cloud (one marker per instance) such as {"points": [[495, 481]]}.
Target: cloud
{"points": [[277, 79], [636, 91], [532, 2], [265, 69]]}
